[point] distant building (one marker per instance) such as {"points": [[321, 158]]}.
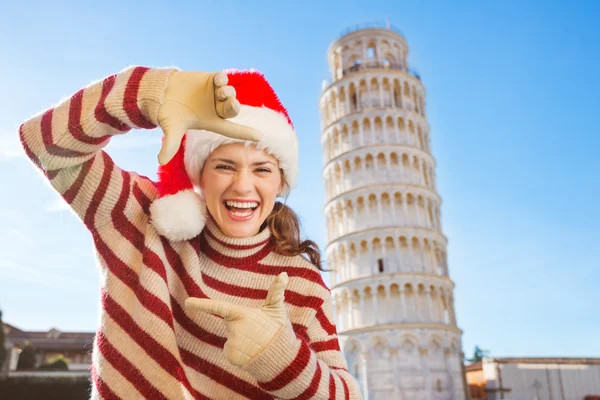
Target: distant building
{"points": [[534, 379], [75, 346], [392, 292]]}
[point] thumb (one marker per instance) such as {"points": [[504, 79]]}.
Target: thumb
{"points": [[224, 309], [233, 130], [173, 135], [277, 290]]}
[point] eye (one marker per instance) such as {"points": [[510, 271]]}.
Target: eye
{"points": [[263, 170], [224, 167]]}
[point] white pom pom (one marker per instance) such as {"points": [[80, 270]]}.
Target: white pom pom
{"points": [[179, 216]]}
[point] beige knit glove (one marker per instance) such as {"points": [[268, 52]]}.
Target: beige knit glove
{"points": [[198, 100], [249, 330]]}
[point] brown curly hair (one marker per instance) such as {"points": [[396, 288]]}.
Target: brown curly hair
{"points": [[285, 229]]}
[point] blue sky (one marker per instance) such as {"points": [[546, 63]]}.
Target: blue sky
{"points": [[512, 101]]}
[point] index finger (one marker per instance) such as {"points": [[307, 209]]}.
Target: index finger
{"points": [[234, 130], [276, 293], [222, 308]]}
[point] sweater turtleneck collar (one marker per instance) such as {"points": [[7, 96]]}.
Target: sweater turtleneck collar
{"points": [[234, 251]]}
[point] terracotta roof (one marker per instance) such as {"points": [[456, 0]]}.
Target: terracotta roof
{"points": [[52, 339], [546, 360], [476, 366], [12, 331], [54, 344], [61, 335]]}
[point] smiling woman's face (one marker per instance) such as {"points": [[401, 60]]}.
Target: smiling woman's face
{"points": [[240, 185]]}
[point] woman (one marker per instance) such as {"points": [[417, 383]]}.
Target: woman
{"points": [[207, 291]]}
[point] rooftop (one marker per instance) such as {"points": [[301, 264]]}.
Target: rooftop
{"points": [[52, 339], [370, 25], [534, 360]]}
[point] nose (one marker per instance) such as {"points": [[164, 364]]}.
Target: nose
{"points": [[242, 183]]}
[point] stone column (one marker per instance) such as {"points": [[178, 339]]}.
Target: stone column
{"points": [[405, 209], [449, 371], [364, 375], [429, 304], [345, 218], [396, 373], [371, 257], [347, 100], [361, 296], [418, 209], [350, 313], [425, 365], [411, 256], [376, 306], [361, 135], [347, 262], [451, 311], [398, 256], [422, 247], [400, 94], [404, 307], [418, 303]]}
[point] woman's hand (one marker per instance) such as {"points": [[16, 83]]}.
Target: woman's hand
{"points": [[249, 330], [198, 100]]}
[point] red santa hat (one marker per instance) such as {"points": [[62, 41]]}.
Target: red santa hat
{"points": [[179, 213]]}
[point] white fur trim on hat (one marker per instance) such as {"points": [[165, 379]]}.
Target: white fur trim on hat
{"points": [[279, 139], [179, 216]]}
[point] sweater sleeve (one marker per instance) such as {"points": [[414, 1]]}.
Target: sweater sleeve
{"points": [[65, 142], [311, 367]]}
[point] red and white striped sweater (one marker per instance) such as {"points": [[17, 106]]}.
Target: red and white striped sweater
{"points": [[147, 344]]}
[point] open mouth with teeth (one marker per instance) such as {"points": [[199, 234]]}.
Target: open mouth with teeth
{"points": [[240, 210]]}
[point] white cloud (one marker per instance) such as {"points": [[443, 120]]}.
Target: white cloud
{"points": [[24, 241], [59, 204], [11, 216], [23, 271], [15, 237], [10, 147], [132, 140]]}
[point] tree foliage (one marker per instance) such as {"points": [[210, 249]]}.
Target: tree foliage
{"points": [[3, 349], [27, 357], [478, 355], [57, 363]]}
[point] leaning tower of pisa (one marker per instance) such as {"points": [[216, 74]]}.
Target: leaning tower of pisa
{"points": [[392, 295]]}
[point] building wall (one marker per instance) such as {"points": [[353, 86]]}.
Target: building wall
{"points": [[543, 381], [75, 346]]}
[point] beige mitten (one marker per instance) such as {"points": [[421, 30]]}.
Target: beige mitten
{"points": [[198, 100], [249, 330]]}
